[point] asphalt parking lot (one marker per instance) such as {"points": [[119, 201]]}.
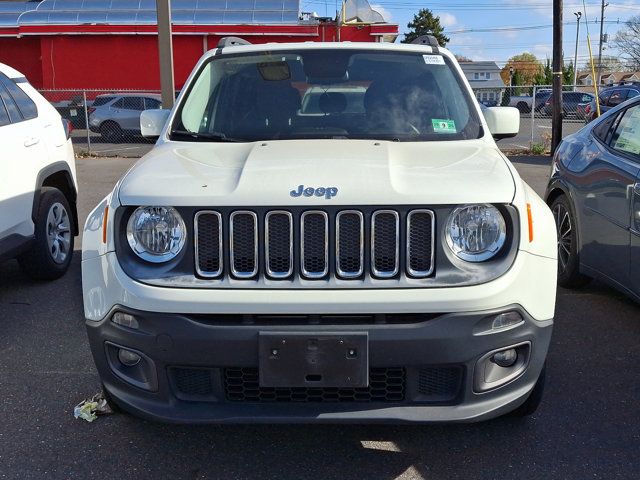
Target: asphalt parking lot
{"points": [[587, 427]]}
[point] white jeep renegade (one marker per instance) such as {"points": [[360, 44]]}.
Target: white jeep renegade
{"points": [[322, 233]]}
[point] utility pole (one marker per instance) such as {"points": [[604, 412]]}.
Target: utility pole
{"points": [[575, 57], [604, 5], [165, 53], [556, 125]]}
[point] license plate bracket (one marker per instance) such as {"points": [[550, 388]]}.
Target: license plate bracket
{"points": [[321, 360]]}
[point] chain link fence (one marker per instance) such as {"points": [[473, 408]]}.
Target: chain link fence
{"points": [[535, 104], [107, 122]]}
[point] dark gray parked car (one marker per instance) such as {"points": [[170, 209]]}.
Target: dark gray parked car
{"points": [[570, 102], [611, 97], [594, 193]]}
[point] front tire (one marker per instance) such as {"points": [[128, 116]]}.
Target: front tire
{"points": [[532, 403], [51, 254], [111, 132], [569, 275]]}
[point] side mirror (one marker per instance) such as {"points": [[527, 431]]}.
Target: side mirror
{"points": [[152, 122], [503, 122]]}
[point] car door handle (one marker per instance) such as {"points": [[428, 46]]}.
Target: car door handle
{"points": [[29, 142]]}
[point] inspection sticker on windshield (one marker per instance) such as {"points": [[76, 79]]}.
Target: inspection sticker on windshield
{"points": [[433, 59], [443, 126]]}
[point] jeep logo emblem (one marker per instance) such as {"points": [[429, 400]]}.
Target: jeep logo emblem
{"points": [[326, 192]]}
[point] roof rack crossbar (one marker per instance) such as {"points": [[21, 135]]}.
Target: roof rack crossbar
{"points": [[232, 42]]}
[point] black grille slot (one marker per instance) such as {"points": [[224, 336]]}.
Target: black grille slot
{"points": [[440, 384], [315, 238], [350, 244], [209, 244], [385, 243], [287, 247], [244, 244], [279, 244], [192, 383], [420, 243], [385, 385]]}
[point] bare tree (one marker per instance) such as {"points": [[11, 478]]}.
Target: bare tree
{"points": [[628, 42]]}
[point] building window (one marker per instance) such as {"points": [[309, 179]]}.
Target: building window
{"points": [[487, 75], [476, 76]]}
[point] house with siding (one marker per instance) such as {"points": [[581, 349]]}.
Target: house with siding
{"points": [[485, 80]]}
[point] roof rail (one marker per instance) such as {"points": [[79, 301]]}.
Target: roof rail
{"points": [[232, 42], [623, 83], [427, 40]]}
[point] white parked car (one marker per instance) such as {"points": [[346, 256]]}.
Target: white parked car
{"points": [[38, 188], [383, 263]]}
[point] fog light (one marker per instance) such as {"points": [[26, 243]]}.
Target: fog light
{"points": [[125, 320], [506, 320], [128, 358], [506, 358]]}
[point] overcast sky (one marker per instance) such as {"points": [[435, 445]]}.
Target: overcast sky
{"points": [[460, 16]]}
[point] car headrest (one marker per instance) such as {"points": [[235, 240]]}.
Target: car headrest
{"points": [[332, 102]]}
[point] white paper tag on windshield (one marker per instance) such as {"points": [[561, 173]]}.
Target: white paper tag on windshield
{"points": [[433, 59]]}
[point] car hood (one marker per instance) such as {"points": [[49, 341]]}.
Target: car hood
{"points": [[363, 172]]}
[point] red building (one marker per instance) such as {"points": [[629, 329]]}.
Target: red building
{"points": [[112, 44]]}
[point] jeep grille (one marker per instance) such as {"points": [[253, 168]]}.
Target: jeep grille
{"points": [[315, 244]]}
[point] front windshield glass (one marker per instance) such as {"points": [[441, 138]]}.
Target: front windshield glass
{"points": [[327, 93]]}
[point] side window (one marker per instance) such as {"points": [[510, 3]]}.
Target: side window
{"points": [[601, 131], [604, 97], [14, 114], [4, 115], [26, 106], [632, 93], [626, 137], [133, 103], [119, 104], [617, 97], [151, 104]]}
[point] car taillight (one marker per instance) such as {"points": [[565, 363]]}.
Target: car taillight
{"points": [[548, 102], [68, 127], [587, 109]]}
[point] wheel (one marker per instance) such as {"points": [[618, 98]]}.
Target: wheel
{"points": [[532, 403], [110, 132], [569, 275], [523, 107], [115, 408], [50, 256]]}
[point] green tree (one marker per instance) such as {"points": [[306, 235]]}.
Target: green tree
{"points": [[567, 74], [526, 63], [426, 23]]}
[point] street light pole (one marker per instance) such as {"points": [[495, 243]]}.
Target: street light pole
{"points": [[510, 82], [165, 53], [575, 58], [556, 124], [604, 5]]}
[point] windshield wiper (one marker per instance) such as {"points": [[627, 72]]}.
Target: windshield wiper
{"points": [[203, 136]]}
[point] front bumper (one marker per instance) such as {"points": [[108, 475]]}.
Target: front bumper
{"points": [[195, 343]]}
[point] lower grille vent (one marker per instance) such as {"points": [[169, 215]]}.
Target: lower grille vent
{"points": [[385, 385], [192, 383], [440, 384]]}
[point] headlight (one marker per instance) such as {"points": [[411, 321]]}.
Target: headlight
{"points": [[476, 233], [156, 234]]}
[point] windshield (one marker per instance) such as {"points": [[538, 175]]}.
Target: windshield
{"points": [[327, 93]]}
